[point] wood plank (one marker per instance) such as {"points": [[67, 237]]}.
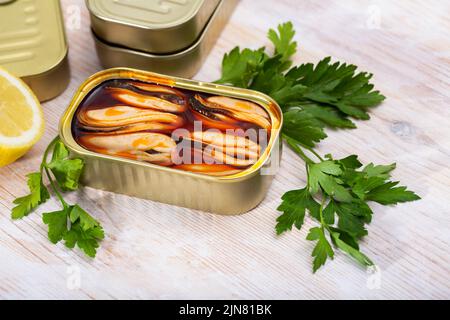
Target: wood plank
{"points": [[154, 250]]}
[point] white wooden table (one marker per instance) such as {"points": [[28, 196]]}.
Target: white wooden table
{"points": [[158, 251]]}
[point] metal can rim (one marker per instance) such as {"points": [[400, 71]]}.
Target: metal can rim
{"points": [[94, 80], [163, 27], [172, 55], [55, 66]]}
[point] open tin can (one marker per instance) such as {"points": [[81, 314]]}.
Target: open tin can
{"points": [[33, 45], [170, 37], [148, 175]]}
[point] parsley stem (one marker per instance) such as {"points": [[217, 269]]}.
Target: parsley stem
{"points": [[294, 144], [54, 188], [312, 151], [322, 220], [322, 203], [47, 150], [44, 167]]}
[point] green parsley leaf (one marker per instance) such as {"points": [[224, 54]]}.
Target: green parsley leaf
{"points": [[60, 152], [283, 42], [87, 240], [322, 250], [294, 205], [272, 81], [324, 175], [350, 162], [83, 231], [388, 194], [67, 171], [240, 67], [85, 219], [38, 195], [57, 224], [383, 172], [351, 220], [370, 185], [329, 213], [345, 237], [363, 185], [337, 84], [302, 127], [326, 115], [354, 253]]}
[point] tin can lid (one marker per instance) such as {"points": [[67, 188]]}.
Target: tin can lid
{"points": [[151, 26], [149, 14], [32, 39]]}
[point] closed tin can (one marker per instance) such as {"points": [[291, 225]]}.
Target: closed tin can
{"points": [[191, 51], [150, 25], [33, 45], [123, 172]]}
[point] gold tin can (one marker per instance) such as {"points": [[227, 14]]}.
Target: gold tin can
{"points": [[33, 45], [184, 63], [150, 25], [227, 195]]}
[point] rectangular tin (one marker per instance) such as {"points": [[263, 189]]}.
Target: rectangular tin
{"points": [[226, 195], [184, 63], [33, 45], [150, 25]]}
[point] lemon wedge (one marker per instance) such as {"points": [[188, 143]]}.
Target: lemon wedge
{"points": [[21, 118]]}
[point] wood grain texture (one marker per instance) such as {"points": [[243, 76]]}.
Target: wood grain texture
{"points": [[158, 251]]}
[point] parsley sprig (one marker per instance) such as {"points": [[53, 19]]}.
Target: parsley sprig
{"points": [[72, 224], [313, 97]]}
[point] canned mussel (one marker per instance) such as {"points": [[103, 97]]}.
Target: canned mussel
{"points": [[177, 141]]}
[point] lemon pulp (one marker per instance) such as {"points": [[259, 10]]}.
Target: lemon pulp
{"points": [[21, 119]]}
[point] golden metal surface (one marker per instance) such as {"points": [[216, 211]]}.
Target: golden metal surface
{"points": [[151, 26], [33, 45], [229, 195], [184, 64]]}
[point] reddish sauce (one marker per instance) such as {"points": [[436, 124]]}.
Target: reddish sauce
{"points": [[197, 110]]}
